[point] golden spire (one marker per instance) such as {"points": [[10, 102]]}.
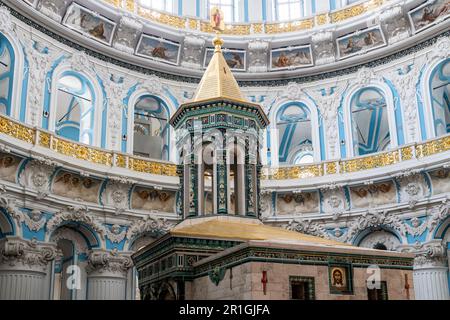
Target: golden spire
{"points": [[218, 80]]}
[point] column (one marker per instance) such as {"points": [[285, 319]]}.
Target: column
{"points": [[250, 181], [221, 182], [193, 188], [431, 273], [107, 275], [25, 268]]}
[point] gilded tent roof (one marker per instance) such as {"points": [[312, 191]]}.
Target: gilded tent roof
{"points": [[218, 80]]}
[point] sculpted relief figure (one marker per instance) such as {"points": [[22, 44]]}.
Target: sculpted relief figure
{"points": [[153, 200], [76, 187]]}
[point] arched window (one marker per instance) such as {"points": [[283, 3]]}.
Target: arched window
{"points": [[151, 128], [228, 7], [75, 108], [295, 134], [286, 10], [369, 122], [207, 179], [161, 5], [6, 75], [236, 177], [440, 98]]}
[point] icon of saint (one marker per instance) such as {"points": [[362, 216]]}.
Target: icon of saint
{"points": [[216, 20]]}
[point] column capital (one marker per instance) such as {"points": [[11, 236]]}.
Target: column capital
{"points": [[429, 255], [108, 263], [20, 254]]}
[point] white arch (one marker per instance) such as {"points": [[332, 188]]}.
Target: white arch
{"points": [[352, 90], [426, 97], [19, 67], [99, 99], [315, 134], [130, 121]]}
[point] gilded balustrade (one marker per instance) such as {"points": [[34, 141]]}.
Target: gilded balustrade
{"points": [[80, 151], [47, 140], [240, 29]]}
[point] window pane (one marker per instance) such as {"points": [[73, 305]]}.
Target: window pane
{"points": [[162, 5], [295, 11], [283, 12]]}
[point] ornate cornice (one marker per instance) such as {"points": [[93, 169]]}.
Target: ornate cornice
{"points": [[75, 214], [243, 83], [150, 225]]}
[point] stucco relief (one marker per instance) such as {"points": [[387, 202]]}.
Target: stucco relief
{"points": [[116, 194], [153, 200], [75, 187], [266, 204], [413, 188], [373, 195], [8, 166], [296, 203], [440, 180], [334, 200], [127, 34], [36, 175], [53, 9]]}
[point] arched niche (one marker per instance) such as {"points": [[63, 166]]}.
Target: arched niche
{"points": [[151, 130], [437, 102], [84, 90], [294, 133], [369, 120], [11, 76], [74, 242], [128, 125], [75, 108]]}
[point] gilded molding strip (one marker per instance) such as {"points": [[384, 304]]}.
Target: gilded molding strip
{"points": [[79, 151], [432, 147], [17, 130], [240, 29]]}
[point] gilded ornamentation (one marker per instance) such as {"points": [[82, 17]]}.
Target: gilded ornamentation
{"points": [[348, 13], [370, 162], [81, 152], [16, 130], [247, 28]]}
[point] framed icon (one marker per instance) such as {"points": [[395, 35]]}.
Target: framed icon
{"points": [[340, 278]]}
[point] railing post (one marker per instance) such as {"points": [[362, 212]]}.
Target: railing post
{"points": [[36, 136], [51, 142]]}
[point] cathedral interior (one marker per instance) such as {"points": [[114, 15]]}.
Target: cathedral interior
{"points": [[116, 182]]}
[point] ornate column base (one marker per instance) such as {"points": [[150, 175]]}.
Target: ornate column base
{"points": [[24, 267]]}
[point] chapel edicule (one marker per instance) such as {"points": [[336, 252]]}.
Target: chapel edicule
{"points": [[221, 249]]}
